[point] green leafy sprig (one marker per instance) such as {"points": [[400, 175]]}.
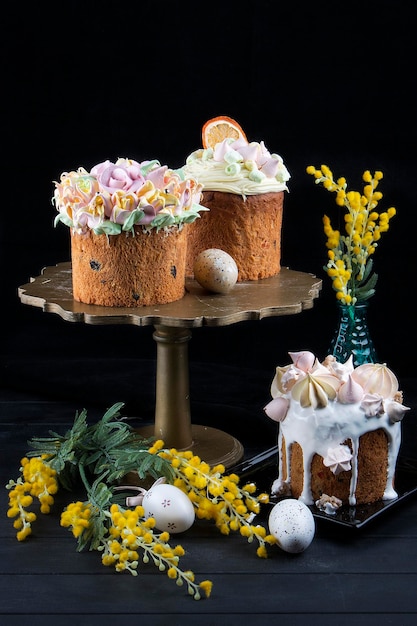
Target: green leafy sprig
{"points": [[109, 450]]}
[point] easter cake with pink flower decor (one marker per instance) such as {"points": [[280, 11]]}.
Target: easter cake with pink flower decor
{"points": [[243, 188], [339, 431], [128, 224]]}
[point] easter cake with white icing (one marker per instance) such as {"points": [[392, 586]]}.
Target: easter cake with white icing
{"points": [[339, 431]]}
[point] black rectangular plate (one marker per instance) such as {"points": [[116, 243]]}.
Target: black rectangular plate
{"points": [[263, 470]]}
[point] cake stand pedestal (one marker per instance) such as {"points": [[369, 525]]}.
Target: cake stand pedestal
{"points": [[287, 293]]}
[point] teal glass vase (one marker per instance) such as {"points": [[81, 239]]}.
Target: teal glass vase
{"points": [[352, 336]]}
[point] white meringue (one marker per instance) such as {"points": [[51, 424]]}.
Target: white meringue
{"points": [[395, 410], [304, 360], [338, 459], [350, 391], [372, 404], [376, 378], [284, 379], [341, 370], [315, 390], [277, 409]]}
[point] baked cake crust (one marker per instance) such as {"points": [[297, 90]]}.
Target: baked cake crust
{"points": [[371, 477], [128, 270], [249, 229]]}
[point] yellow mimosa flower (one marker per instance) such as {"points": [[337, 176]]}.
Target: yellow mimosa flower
{"points": [[351, 252]]}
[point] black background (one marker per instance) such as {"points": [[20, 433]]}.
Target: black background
{"points": [[85, 81]]}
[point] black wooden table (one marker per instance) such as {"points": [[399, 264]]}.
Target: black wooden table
{"points": [[346, 576]]}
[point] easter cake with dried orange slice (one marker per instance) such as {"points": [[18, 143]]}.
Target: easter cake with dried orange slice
{"points": [[243, 187]]}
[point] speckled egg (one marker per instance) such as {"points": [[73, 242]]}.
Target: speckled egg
{"points": [[215, 270], [292, 523], [170, 507]]}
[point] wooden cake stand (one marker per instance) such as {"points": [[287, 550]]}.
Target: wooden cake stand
{"points": [[287, 293]]}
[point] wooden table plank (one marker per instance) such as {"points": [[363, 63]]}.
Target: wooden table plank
{"points": [[284, 593]]}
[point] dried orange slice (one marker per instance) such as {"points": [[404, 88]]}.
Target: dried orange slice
{"points": [[219, 128]]}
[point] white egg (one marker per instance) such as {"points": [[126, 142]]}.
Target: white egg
{"points": [[292, 523], [215, 270], [171, 508]]}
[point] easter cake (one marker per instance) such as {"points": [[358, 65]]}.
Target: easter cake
{"points": [[339, 431], [128, 224], [243, 188]]}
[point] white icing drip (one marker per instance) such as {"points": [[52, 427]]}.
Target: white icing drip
{"points": [[317, 430], [280, 464], [306, 493], [394, 442], [354, 479]]}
